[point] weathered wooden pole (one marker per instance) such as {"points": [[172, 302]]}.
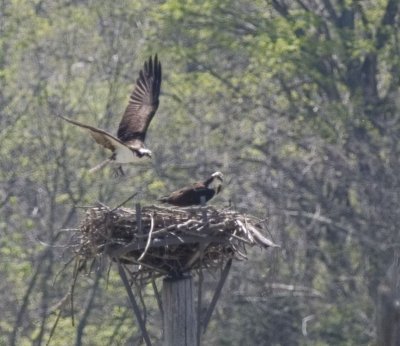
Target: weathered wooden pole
{"points": [[388, 311], [388, 317], [180, 326]]}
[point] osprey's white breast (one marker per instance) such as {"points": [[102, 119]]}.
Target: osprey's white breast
{"points": [[124, 155], [215, 184]]}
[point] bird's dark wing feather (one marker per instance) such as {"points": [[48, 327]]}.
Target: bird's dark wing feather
{"points": [[188, 195], [143, 103], [100, 136]]}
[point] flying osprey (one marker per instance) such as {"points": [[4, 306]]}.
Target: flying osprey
{"points": [[128, 145], [191, 195]]}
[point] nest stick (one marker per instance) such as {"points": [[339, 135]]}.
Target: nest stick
{"points": [[157, 295], [148, 239], [155, 239], [134, 304], [217, 293], [126, 201]]}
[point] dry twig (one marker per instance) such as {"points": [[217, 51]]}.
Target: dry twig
{"points": [[165, 239]]}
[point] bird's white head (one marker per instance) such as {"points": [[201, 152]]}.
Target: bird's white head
{"points": [[217, 180], [218, 175], [144, 152]]}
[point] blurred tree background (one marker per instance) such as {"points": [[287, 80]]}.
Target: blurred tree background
{"points": [[296, 102]]}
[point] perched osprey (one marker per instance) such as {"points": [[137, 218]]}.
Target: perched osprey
{"points": [[143, 103], [191, 195]]}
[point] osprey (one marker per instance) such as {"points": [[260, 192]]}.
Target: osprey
{"points": [[191, 195], [128, 145]]}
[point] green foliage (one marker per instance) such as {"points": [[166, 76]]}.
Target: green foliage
{"points": [[294, 101]]}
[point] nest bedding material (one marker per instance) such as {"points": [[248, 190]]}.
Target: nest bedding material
{"points": [[168, 240]]}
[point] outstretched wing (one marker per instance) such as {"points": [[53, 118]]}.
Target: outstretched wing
{"points": [[101, 137], [143, 103]]}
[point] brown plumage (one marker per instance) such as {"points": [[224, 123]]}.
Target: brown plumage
{"points": [[191, 195], [128, 145], [142, 105]]}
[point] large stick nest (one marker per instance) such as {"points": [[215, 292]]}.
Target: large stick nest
{"points": [[160, 240]]}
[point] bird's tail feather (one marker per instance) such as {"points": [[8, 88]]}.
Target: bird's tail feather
{"points": [[163, 199], [100, 166]]}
